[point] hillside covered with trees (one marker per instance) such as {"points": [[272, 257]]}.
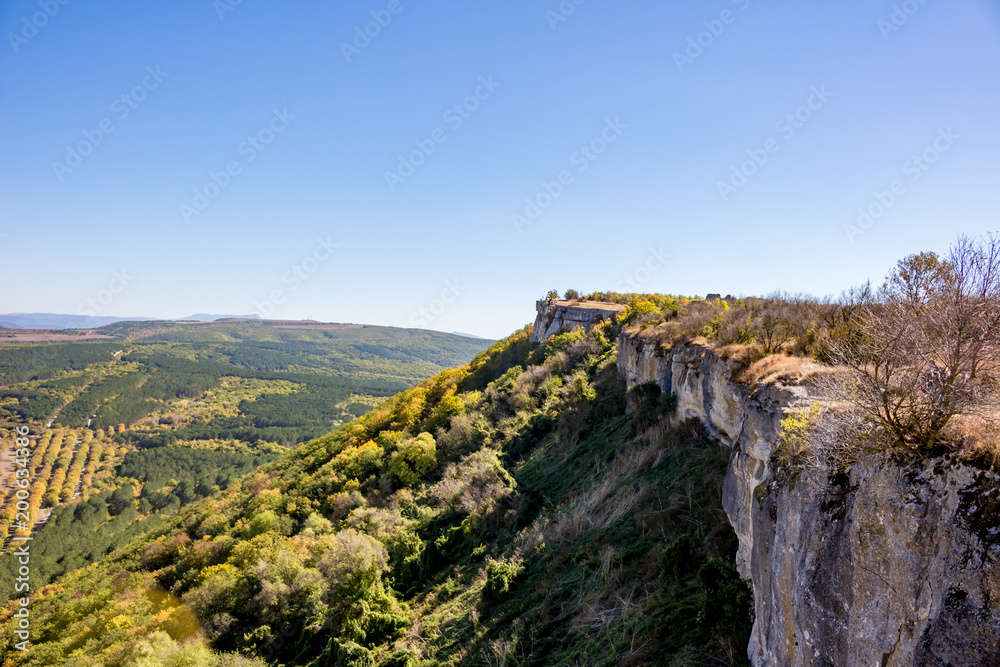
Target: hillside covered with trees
{"points": [[507, 508], [528, 507]]}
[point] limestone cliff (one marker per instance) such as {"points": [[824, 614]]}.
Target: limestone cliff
{"points": [[556, 316], [889, 564]]}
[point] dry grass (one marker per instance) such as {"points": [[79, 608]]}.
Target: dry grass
{"points": [[596, 509], [783, 369], [594, 305], [607, 605], [605, 504], [632, 461], [977, 438]]}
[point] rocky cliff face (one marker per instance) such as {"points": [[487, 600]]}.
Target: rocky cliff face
{"points": [[557, 316], [888, 564]]}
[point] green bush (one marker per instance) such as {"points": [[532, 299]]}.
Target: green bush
{"points": [[635, 309], [359, 462], [352, 654], [414, 459], [449, 407], [728, 602], [796, 431], [648, 404], [316, 525], [680, 558], [267, 521], [500, 574]]}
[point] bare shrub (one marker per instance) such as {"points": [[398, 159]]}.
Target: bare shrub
{"points": [[467, 433], [478, 481], [925, 347], [773, 332], [581, 349]]}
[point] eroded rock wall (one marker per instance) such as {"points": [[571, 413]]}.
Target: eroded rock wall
{"points": [[888, 564], [558, 316]]}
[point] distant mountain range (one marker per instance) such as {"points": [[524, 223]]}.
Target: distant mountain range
{"points": [[202, 317], [454, 333], [62, 321]]}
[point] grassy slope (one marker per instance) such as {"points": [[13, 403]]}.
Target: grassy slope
{"points": [[539, 524]]}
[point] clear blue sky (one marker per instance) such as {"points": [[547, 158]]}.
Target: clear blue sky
{"points": [[673, 129]]}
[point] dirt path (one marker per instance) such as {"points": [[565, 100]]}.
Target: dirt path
{"points": [[79, 480]]}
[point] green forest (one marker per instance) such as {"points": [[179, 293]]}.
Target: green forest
{"points": [[169, 414], [155, 366], [156, 484]]}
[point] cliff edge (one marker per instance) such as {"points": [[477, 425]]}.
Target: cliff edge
{"points": [[557, 316], [889, 563]]}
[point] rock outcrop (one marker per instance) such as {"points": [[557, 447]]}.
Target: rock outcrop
{"points": [[890, 563], [557, 316]]}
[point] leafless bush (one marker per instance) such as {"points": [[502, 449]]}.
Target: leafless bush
{"points": [[925, 345], [477, 481]]}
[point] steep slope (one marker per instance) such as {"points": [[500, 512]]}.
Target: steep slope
{"points": [[569, 502], [513, 511]]}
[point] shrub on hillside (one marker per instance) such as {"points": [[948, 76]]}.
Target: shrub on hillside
{"points": [[927, 346], [478, 481], [500, 574], [448, 407], [648, 404], [413, 459], [359, 462]]}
